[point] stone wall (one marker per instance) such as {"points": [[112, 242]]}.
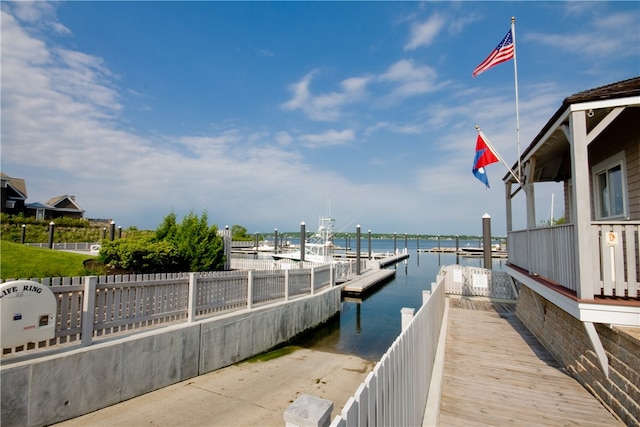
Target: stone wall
{"points": [[566, 339], [57, 387]]}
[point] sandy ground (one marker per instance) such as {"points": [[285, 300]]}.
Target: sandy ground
{"points": [[247, 394]]}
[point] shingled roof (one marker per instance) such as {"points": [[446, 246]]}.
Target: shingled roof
{"points": [[621, 89], [17, 183]]}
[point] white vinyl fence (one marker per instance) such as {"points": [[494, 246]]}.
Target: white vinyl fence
{"points": [[395, 393], [476, 281], [127, 302]]}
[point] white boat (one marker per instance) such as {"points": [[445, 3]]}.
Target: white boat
{"points": [[318, 248]]}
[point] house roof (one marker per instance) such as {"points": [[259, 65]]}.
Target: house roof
{"points": [[551, 134], [64, 202], [18, 184]]}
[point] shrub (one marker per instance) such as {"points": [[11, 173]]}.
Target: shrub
{"points": [[191, 245]]}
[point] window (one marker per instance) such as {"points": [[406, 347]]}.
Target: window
{"points": [[11, 204], [609, 180]]}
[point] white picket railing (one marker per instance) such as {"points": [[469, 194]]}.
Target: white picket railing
{"points": [[127, 302], [395, 393], [614, 258], [476, 281]]}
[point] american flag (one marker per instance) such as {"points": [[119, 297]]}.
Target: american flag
{"points": [[503, 52]]}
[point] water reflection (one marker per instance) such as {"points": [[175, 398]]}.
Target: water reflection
{"points": [[366, 327]]}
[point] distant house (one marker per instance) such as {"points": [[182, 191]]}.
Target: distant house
{"points": [[579, 282], [57, 207], [14, 196]]}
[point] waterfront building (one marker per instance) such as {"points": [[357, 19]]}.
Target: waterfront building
{"points": [[579, 281]]}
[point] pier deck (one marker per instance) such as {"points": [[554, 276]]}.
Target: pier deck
{"points": [[366, 281], [497, 373]]}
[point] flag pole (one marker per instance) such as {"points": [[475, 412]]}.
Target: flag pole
{"points": [[515, 70], [492, 148]]}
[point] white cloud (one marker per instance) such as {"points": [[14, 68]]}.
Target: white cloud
{"points": [[423, 34], [40, 14], [409, 79], [326, 107], [601, 35], [328, 138]]}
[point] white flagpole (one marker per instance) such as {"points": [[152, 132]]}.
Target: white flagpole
{"points": [[492, 148], [515, 70]]}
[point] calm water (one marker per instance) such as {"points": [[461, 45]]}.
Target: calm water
{"points": [[368, 327]]}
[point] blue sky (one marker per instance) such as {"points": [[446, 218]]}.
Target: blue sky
{"points": [[267, 114]]}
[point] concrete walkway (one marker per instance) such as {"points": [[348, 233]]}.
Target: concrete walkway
{"points": [[246, 394]]}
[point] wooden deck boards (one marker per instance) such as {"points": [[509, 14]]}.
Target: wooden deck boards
{"points": [[497, 373], [369, 279]]}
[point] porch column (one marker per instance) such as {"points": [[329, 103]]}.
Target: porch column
{"points": [[509, 208], [585, 274], [530, 170]]}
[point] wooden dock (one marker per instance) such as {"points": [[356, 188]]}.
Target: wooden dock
{"points": [[393, 259], [358, 285], [497, 373]]}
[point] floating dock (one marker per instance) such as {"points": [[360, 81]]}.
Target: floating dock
{"points": [[358, 285], [367, 280]]}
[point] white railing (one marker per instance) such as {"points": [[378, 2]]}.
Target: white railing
{"points": [[126, 302], [550, 253], [476, 281], [619, 254], [395, 393]]}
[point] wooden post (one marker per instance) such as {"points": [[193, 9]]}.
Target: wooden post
{"points": [[227, 247], [358, 249], [395, 237], [369, 244], [52, 227], [486, 240], [303, 235], [275, 241], [88, 308]]}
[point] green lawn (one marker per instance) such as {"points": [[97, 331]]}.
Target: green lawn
{"points": [[24, 262]]}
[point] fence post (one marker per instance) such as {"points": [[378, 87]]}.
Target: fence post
{"points": [[313, 280], [52, 227], [486, 240], [358, 249], [303, 239], [286, 285], [88, 308], [426, 295], [407, 316], [250, 289], [193, 290], [332, 275], [227, 248]]}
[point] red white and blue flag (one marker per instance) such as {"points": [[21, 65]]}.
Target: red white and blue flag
{"points": [[503, 52], [484, 156]]}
